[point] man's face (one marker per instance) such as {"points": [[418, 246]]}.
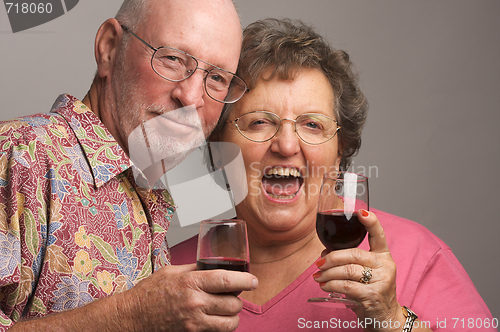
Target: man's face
{"points": [[172, 117]]}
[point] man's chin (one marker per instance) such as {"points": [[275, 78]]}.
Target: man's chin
{"points": [[156, 170]]}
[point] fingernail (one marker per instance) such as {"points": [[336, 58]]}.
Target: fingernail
{"points": [[365, 213], [317, 275], [322, 284], [320, 262], [255, 283]]}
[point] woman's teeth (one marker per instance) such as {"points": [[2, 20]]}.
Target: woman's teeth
{"points": [[281, 197], [283, 171], [282, 182]]}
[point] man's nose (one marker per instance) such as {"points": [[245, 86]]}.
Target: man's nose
{"points": [[191, 91]]}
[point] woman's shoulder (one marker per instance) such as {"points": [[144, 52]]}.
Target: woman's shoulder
{"points": [[184, 252], [408, 234], [428, 272]]}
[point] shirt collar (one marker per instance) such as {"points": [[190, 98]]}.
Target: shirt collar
{"points": [[105, 156]]}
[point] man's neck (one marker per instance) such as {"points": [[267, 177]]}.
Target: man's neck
{"points": [[100, 101], [91, 98]]}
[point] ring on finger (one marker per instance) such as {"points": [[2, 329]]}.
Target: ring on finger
{"points": [[366, 275]]}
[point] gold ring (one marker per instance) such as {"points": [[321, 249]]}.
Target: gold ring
{"points": [[366, 275]]}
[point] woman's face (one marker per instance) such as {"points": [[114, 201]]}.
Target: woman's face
{"points": [[282, 207]]}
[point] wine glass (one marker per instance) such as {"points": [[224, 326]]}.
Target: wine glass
{"points": [[223, 244], [342, 195]]}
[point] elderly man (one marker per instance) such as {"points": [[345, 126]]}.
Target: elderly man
{"points": [[79, 238]]}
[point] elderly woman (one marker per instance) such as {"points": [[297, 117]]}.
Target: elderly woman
{"points": [[298, 83]]}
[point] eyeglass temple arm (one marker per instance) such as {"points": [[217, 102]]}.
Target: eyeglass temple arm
{"points": [[136, 36]]}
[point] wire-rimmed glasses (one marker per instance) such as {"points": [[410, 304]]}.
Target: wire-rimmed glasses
{"points": [[175, 65], [261, 126]]}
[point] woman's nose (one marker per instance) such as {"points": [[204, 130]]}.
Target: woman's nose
{"points": [[286, 142]]}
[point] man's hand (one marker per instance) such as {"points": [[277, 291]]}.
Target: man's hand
{"points": [[178, 298], [175, 298]]}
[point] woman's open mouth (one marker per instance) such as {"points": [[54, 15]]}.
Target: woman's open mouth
{"points": [[282, 182]]}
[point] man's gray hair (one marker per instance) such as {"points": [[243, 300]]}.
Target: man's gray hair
{"points": [[132, 13]]}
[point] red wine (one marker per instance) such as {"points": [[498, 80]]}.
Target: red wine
{"points": [[336, 232], [232, 264]]}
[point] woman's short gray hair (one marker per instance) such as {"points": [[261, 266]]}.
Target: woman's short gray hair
{"points": [[280, 48]]}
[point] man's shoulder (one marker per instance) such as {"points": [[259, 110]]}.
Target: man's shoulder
{"points": [[31, 132], [28, 127], [29, 122]]}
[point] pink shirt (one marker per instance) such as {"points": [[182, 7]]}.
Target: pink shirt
{"points": [[430, 281]]}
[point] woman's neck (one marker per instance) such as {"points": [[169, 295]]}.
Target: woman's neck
{"points": [[266, 254], [272, 265]]}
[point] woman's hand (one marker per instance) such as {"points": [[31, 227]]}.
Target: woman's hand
{"points": [[341, 271]]}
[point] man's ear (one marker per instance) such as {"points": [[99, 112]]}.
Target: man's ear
{"points": [[107, 43]]}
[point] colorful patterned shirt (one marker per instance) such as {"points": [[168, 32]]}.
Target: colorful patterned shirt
{"points": [[74, 226]]}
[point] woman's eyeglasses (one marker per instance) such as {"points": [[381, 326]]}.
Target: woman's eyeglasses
{"points": [[261, 126]]}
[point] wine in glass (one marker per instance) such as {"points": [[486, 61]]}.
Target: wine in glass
{"points": [[342, 195], [223, 244]]}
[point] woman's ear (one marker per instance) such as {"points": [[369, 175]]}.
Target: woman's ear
{"points": [[107, 42], [337, 161]]}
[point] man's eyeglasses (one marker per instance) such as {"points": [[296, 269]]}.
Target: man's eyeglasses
{"points": [[175, 65], [261, 126]]}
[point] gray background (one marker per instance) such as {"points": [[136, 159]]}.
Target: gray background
{"points": [[429, 69]]}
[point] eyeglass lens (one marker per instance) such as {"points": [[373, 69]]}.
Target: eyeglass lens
{"points": [[175, 65], [311, 128]]}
